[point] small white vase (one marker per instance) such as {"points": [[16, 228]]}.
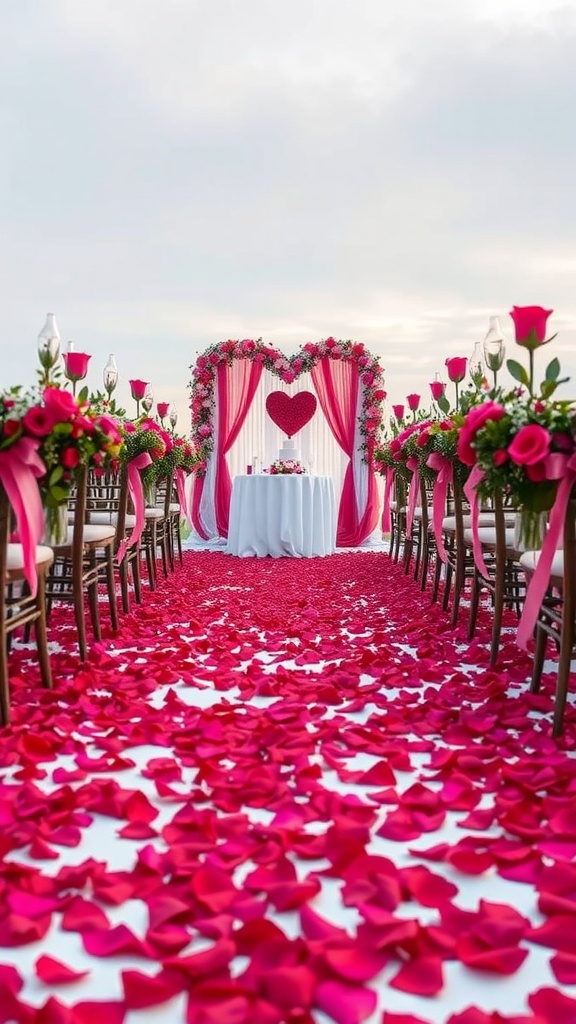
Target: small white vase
{"points": [[55, 525], [529, 530]]}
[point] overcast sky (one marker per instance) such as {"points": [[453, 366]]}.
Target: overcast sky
{"points": [[178, 172]]}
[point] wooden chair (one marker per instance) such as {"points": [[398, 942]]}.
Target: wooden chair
{"points": [[80, 563], [107, 505], [18, 606], [398, 516], [502, 579], [557, 615]]}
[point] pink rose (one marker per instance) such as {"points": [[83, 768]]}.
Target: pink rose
{"points": [[76, 364], [465, 452], [109, 426], [368, 379], [163, 409], [531, 444], [500, 457], [60, 403], [530, 325], [413, 402], [398, 411], [330, 342], [437, 387], [456, 367], [37, 421], [138, 389], [480, 414]]}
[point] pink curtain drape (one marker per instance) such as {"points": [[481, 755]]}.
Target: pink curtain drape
{"points": [[337, 385], [237, 386]]}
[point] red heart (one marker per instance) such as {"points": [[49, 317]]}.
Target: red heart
{"points": [[291, 413]]}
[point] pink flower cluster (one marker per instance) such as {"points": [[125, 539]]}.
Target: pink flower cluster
{"points": [[288, 369]]}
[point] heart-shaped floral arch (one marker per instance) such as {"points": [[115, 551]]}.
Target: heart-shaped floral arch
{"points": [[288, 369], [351, 399]]}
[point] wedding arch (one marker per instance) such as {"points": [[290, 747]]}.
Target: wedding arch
{"points": [[348, 381]]}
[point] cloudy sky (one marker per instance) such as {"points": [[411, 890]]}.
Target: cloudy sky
{"points": [[178, 172]]}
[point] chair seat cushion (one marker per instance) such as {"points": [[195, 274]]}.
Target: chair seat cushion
{"points": [[529, 560], [487, 536], [174, 507], [91, 534], [154, 513], [15, 557]]}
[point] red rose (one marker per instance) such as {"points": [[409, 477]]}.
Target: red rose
{"points": [[530, 325], [398, 411], [138, 389], [38, 421], [456, 367], [500, 457], [531, 445], [466, 453], [413, 402], [537, 472], [60, 403], [70, 458], [480, 414], [76, 364], [437, 387]]}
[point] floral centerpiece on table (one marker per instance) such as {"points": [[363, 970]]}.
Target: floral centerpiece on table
{"points": [[520, 443], [288, 369], [283, 467]]}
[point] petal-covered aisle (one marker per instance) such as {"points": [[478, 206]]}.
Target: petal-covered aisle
{"points": [[286, 792]]}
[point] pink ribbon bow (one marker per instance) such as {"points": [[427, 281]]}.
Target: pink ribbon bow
{"points": [[136, 491], [444, 468], [563, 468], [180, 478], [20, 469], [475, 478], [412, 464]]}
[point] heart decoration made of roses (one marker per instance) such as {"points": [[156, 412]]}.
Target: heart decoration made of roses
{"points": [[291, 412]]}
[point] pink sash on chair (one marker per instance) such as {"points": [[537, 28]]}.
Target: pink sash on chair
{"points": [[20, 469], [136, 491]]}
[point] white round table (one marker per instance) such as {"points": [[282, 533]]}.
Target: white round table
{"points": [[284, 515]]}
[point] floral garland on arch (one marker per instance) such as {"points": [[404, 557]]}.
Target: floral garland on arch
{"points": [[288, 369]]}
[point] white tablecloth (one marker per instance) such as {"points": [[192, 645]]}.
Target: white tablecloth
{"points": [[283, 515]]}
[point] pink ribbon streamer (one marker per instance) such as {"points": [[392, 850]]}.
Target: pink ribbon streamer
{"points": [[136, 491], [412, 464], [475, 478], [444, 468], [20, 468], [180, 478], [563, 468], [386, 518]]}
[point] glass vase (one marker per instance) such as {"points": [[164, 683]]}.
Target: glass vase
{"points": [[55, 525], [529, 530]]}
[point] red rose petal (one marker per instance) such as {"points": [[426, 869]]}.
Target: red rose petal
{"points": [[422, 976], [53, 972]]}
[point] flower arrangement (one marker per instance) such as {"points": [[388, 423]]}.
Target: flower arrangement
{"points": [[283, 467], [287, 369], [65, 433], [520, 441]]}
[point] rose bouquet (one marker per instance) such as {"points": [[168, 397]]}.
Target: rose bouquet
{"points": [[64, 434], [520, 443]]}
